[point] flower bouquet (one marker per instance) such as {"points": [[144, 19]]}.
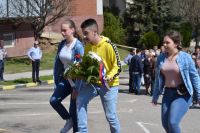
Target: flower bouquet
{"points": [[90, 69]]}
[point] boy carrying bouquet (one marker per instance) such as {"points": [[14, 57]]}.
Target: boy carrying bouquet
{"points": [[109, 54]]}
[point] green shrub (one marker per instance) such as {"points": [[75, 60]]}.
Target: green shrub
{"points": [[149, 39], [113, 29], [186, 34]]}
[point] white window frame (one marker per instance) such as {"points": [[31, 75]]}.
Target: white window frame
{"points": [[13, 38]]}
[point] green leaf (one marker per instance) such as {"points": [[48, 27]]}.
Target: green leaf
{"points": [[77, 71], [89, 78], [90, 70]]}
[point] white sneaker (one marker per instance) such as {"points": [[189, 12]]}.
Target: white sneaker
{"points": [[68, 126]]}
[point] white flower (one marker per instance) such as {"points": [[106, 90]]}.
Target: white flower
{"points": [[94, 56], [76, 63]]}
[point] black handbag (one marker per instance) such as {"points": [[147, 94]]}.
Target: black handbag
{"points": [[181, 89]]}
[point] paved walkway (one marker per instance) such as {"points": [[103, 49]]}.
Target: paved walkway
{"points": [[26, 75], [29, 74]]}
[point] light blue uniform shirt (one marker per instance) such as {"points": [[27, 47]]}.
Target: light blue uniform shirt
{"points": [[34, 53], [128, 59]]}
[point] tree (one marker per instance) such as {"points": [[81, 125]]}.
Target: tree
{"points": [[186, 33], [144, 12], [2, 12], [149, 39], [113, 29], [143, 16], [166, 19], [190, 10], [40, 12]]}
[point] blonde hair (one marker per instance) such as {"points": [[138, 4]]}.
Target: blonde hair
{"points": [[150, 54]]}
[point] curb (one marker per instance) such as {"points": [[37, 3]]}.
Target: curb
{"points": [[26, 85]]}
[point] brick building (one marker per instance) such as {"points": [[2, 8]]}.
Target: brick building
{"points": [[85, 9], [18, 39]]}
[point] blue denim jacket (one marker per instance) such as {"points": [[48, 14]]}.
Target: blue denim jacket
{"points": [[78, 49], [188, 73]]}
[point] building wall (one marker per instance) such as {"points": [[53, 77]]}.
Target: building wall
{"points": [[78, 20], [85, 9], [24, 39]]}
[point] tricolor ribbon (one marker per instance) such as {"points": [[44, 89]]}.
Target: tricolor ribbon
{"points": [[102, 76]]}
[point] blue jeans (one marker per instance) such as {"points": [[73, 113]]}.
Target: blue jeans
{"points": [[61, 92], [174, 107], [108, 99], [1, 68], [136, 82]]}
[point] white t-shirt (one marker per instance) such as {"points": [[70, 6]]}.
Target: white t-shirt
{"points": [[66, 53]]}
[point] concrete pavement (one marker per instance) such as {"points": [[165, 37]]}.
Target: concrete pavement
{"points": [[28, 110], [26, 75]]}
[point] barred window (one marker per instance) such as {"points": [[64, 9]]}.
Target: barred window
{"points": [[9, 40]]}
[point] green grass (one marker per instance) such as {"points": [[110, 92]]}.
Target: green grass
{"points": [[123, 53], [125, 67], [19, 65], [26, 80]]}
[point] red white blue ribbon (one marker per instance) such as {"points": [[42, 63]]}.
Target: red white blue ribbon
{"points": [[102, 76]]}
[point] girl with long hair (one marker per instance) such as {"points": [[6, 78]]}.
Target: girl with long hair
{"points": [[176, 71], [67, 50]]}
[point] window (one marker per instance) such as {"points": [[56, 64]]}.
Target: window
{"points": [[9, 40]]}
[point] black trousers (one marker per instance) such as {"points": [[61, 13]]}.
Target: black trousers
{"points": [[35, 69], [195, 99]]}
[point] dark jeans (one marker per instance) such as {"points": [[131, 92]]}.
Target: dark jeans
{"points": [[136, 82], [130, 81], [35, 68], [174, 107], [1, 68], [195, 100], [152, 84], [63, 90]]}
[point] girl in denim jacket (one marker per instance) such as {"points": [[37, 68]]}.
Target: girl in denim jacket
{"points": [[67, 50], [177, 73]]}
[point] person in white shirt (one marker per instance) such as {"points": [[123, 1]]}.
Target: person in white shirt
{"points": [[35, 54], [3, 53], [155, 48]]}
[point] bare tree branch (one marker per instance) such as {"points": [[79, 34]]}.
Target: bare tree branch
{"points": [[190, 10], [41, 12]]}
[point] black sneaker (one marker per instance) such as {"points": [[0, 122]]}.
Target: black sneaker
{"points": [[131, 91], [39, 81]]}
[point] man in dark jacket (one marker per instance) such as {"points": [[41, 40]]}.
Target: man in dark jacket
{"points": [[194, 97], [152, 69], [137, 70], [128, 62]]}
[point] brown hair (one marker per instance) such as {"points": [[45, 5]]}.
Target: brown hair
{"points": [[76, 33], [176, 38]]}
